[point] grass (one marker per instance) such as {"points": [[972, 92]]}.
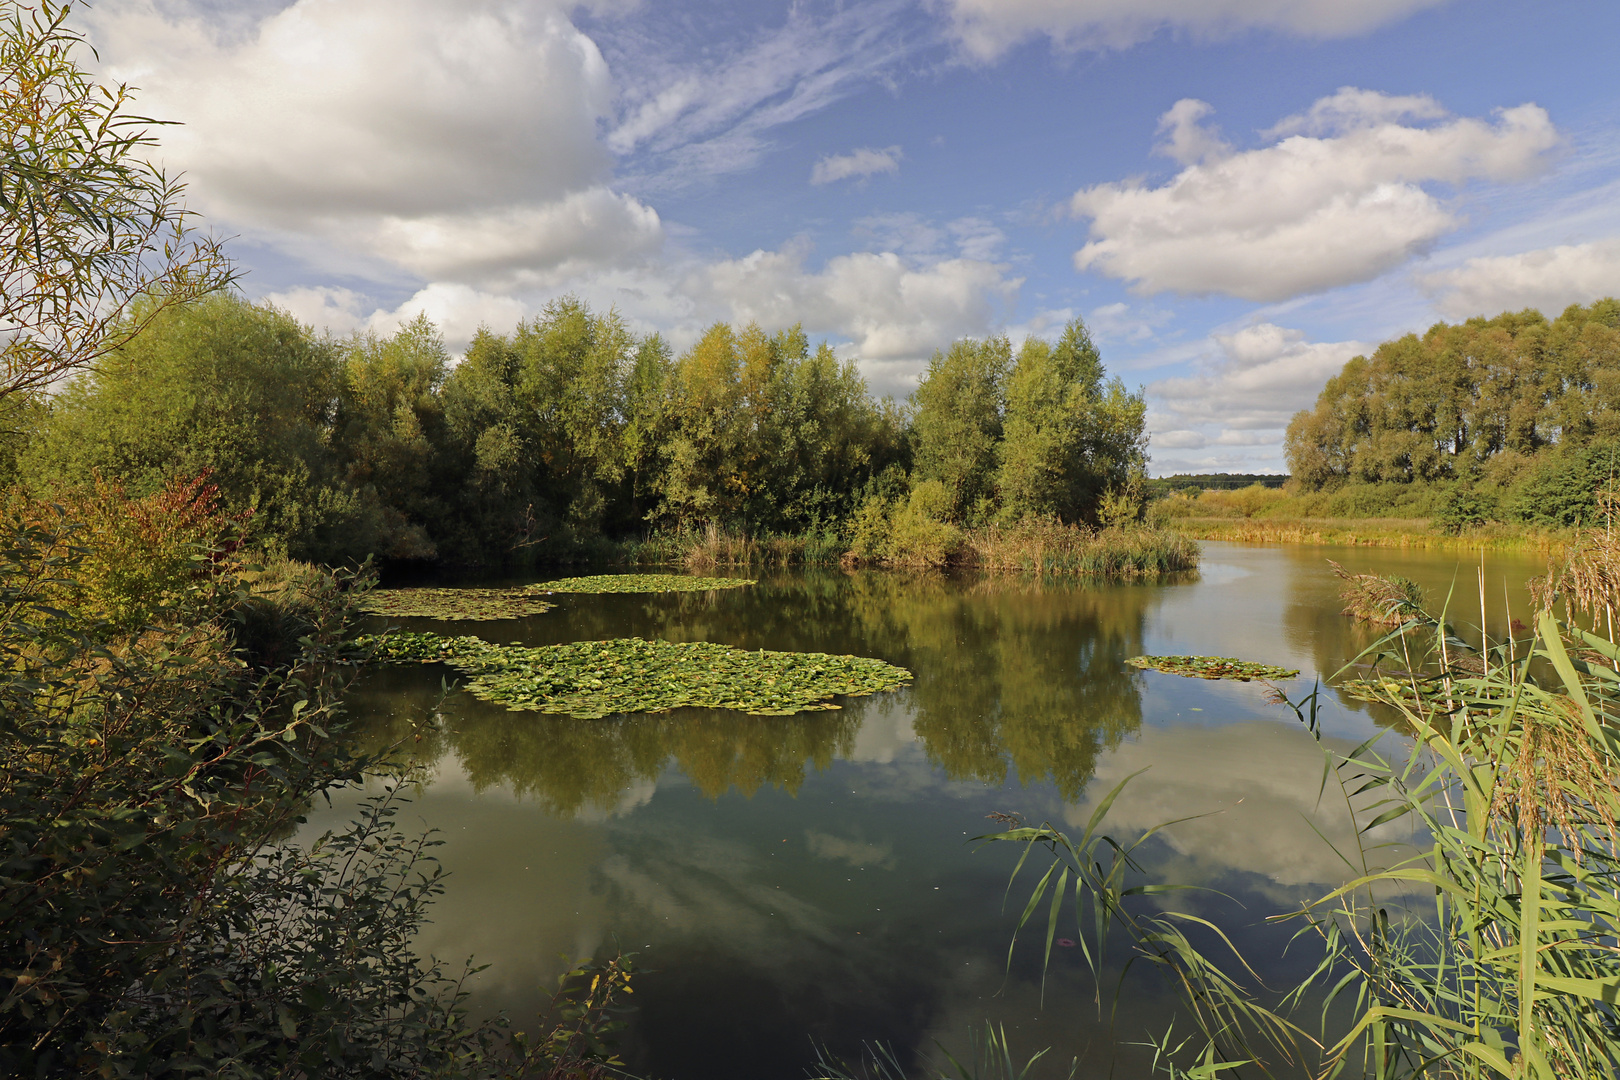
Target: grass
{"points": [[1371, 532], [1044, 547], [1039, 547], [1358, 515]]}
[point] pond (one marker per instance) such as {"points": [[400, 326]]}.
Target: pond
{"points": [[787, 881]]}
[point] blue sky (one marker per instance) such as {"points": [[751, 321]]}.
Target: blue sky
{"points": [[1236, 195]]}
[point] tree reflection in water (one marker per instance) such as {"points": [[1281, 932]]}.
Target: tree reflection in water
{"points": [[1016, 674]]}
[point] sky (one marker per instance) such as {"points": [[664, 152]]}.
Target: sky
{"points": [[1236, 196]]}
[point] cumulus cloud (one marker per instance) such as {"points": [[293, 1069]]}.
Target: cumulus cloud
{"points": [[857, 163], [1337, 198], [458, 311], [890, 308], [1549, 279], [987, 28], [1247, 392], [458, 142]]}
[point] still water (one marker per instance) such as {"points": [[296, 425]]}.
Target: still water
{"points": [[785, 881]]}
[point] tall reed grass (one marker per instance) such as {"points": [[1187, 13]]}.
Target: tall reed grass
{"points": [[1041, 547]]}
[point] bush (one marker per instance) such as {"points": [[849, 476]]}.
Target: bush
{"points": [[153, 919], [920, 532], [1464, 508], [1559, 490]]}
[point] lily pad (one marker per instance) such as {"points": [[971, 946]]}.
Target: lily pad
{"points": [[593, 679], [454, 605], [1212, 667], [640, 583]]}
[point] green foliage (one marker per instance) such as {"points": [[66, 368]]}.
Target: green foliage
{"points": [[1560, 488], [593, 679], [219, 388], [153, 916], [960, 402], [95, 241], [920, 531], [454, 605], [639, 583], [1441, 406], [1070, 440], [1213, 667], [1464, 508]]}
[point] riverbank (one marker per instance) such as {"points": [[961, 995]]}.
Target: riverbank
{"points": [[1374, 532]]}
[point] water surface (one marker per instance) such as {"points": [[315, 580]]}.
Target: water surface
{"points": [[783, 880]]}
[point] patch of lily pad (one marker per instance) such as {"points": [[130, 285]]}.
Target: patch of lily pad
{"points": [[1212, 667], [593, 679], [640, 583], [454, 605]]}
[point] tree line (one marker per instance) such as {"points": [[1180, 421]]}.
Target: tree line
{"points": [[570, 430], [1465, 400], [1512, 418]]}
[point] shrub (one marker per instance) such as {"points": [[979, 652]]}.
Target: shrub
{"points": [[920, 532]]}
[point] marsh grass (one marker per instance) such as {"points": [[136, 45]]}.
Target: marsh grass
{"points": [[1122, 552], [1369, 532], [1387, 600]]}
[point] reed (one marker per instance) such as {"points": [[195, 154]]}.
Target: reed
{"points": [[1039, 547], [1119, 553]]}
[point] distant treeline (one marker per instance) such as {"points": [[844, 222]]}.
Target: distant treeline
{"points": [[1517, 417], [572, 429], [1214, 481]]}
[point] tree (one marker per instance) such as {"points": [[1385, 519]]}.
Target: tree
{"points": [[94, 240], [1069, 436], [222, 387], [958, 421]]}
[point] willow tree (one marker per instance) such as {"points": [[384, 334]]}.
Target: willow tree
{"points": [[88, 226]]}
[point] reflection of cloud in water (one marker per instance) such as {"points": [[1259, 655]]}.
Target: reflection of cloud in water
{"points": [[885, 731], [1261, 780], [855, 852], [1222, 573], [639, 793]]}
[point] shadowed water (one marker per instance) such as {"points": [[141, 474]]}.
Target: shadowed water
{"points": [[784, 880]]}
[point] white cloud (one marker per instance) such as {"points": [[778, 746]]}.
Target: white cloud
{"points": [[890, 309], [1309, 212], [857, 163], [1260, 376], [454, 141], [457, 310], [987, 28], [1549, 279]]}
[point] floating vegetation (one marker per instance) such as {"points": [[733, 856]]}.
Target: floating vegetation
{"points": [[1212, 667], [593, 679], [454, 605], [640, 583]]}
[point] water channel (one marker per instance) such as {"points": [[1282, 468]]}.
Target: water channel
{"points": [[784, 880]]}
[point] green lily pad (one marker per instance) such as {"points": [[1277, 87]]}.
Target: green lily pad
{"points": [[1212, 667], [640, 583], [593, 679], [454, 605]]}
